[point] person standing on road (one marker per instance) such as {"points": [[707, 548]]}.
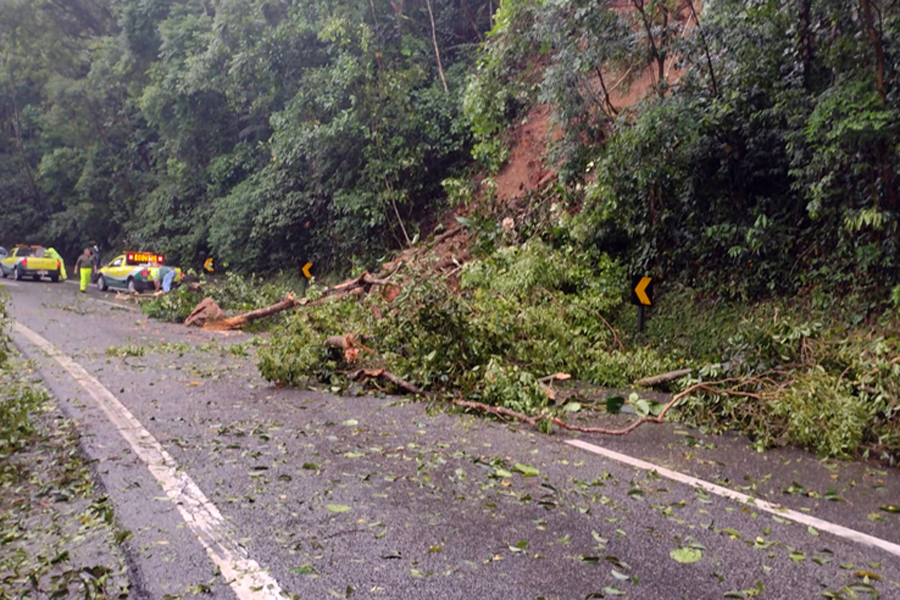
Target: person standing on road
{"points": [[95, 259], [85, 266], [52, 253]]}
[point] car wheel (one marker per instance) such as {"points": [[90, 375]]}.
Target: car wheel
{"points": [[3, 273], [54, 276], [132, 288], [101, 284], [17, 274]]}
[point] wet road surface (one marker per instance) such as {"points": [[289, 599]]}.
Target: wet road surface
{"points": [[384, 497]]}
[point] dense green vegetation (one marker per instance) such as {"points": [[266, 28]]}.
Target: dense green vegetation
{"points": [[260, 132], [747, 154], [771, 163], [269, 133]]}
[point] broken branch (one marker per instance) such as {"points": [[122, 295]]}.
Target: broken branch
{"points": [[349, 344], [535, 421], [387, 376], [662, 378]]}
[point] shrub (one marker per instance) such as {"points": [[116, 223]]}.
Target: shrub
{"points": [[520, 314], [832, 388]]}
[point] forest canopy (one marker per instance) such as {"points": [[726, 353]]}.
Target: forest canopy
{"points": [[258, 131]]}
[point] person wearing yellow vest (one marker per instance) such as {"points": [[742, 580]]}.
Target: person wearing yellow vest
{"points": [[51, 253], [85, 266]]}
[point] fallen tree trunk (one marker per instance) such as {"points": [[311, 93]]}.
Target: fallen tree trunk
{"points": [[663, 378], [352, 287], [237, 322], [364, 281]]}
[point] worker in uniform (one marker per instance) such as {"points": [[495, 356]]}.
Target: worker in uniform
{"points": [[52, 253], [84, 266], [163, 278]]}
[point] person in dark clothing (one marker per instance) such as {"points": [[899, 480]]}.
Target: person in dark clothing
{"points": [[84, 266], [95, 260]]}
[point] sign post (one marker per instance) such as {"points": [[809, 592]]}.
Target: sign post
{"points": [[641, 296]]}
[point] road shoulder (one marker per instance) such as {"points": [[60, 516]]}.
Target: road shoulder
{"points": [[57, 526]]}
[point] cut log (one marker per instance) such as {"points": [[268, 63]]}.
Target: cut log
{"points": [[555, 377], [237, 322], [340, 341], [205, 312], [663, 378], [349, 344]]}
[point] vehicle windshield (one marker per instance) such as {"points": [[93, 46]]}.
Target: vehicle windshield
{"points": [[24, 251]]}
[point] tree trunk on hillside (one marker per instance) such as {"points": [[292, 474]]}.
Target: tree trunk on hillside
{"points": [[709, 63], [655, 52], [437, 51], [887, 174], [805, 41], [877, 45]]}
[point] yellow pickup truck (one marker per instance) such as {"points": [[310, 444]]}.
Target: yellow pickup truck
{"points": [[29, 261]]}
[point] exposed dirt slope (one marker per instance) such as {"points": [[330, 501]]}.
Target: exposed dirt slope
{"points": [[527, 170]]}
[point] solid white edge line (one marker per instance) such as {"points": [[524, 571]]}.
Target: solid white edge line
{"points": [[246, 578], [785, 513]]}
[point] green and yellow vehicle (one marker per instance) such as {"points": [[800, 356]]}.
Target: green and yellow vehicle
{"points": [[133, 271], [30, 261]]}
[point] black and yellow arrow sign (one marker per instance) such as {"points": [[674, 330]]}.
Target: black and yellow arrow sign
{"points": [[306, 272], [208, 264], [642, 290]]}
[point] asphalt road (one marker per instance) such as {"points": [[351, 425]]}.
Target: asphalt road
{"points": [[383, 497]]}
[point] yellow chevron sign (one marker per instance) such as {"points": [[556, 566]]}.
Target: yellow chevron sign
{"points": [[642, 291], [208, 265], [306, 269]]}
